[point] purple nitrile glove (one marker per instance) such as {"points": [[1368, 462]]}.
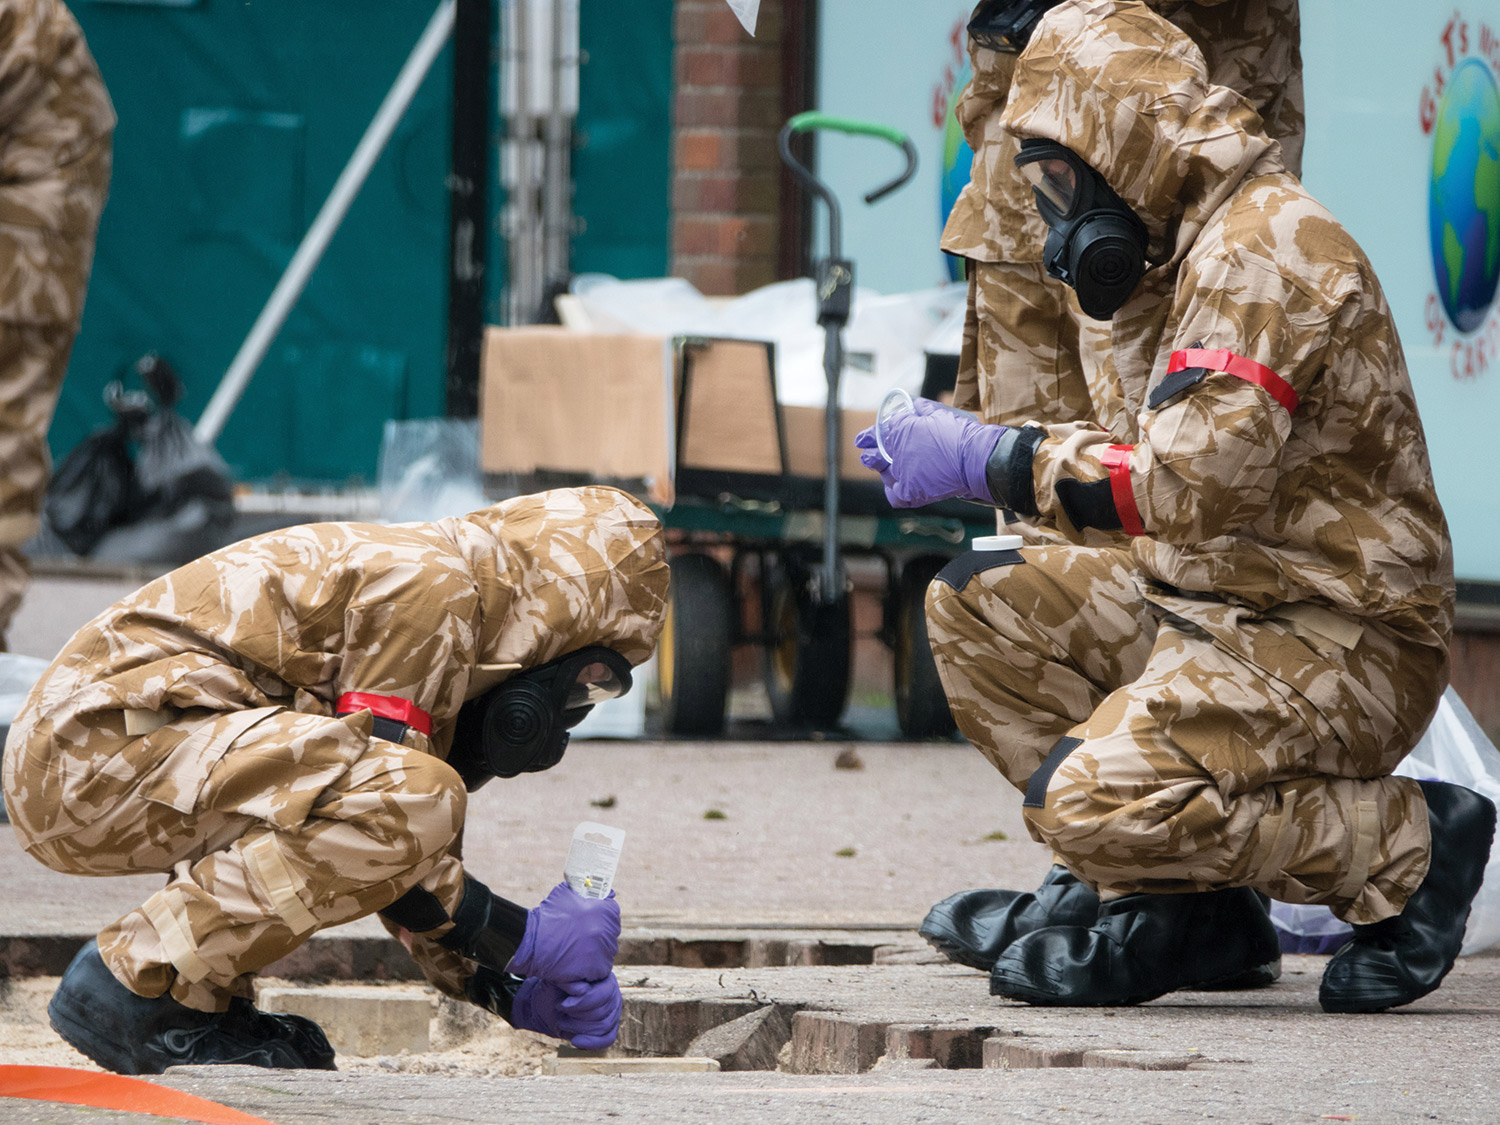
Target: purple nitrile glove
{"points": [[569, 937], [937, 453], [586, 1013]]}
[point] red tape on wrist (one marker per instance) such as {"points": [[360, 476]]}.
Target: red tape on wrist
{"points": [[386, 707], [1117, 460], [1221, 359]]}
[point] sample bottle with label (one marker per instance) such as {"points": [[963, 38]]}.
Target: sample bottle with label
{"points": [[593, 859]]}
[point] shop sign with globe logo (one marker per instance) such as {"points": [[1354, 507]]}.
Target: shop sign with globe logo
{"points": [[1464, 212], [1460, 110]]}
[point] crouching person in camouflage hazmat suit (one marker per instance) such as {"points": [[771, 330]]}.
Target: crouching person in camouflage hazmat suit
{"points": [[1216, 710], [1032, 355], [288, 728]]}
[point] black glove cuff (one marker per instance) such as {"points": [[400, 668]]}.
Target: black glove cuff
{"points": [[1007, 473], [417, 910], [1089, 504], [493, 991], [486, 927]]}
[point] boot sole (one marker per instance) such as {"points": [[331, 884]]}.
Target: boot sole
{"points": [[78, 1033], [1258, 977], [1048, 1000], [1262, 976]]}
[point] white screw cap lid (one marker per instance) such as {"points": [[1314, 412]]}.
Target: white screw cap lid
{"points": [[998, 543]]}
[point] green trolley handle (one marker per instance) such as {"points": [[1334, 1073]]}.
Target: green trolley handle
{"points": [[811, 121]]}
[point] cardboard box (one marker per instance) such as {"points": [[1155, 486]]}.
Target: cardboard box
{"points": [[639, 407], [573, 402], [807, 445]]}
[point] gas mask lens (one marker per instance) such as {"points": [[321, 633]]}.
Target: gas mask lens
{"points": [[1056, 181], [594, 684]]}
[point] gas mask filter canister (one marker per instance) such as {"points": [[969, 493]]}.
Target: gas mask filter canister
{"points": [[522, 725]]}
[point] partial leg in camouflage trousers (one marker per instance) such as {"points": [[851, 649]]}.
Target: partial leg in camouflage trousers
{"points": [[1155, 760]]}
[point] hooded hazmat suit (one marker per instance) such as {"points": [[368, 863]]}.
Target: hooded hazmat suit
{"points": [[190, 729], [1029, 352], [1221, 703]]}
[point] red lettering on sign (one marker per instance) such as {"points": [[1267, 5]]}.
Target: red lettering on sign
{"points": [[1471, 358], [1437, 322]]}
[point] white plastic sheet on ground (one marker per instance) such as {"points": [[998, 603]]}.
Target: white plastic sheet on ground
{"points": [[1454, 748], [884, 343]]}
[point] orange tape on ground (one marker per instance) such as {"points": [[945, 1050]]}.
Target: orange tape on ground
{"points": [[112, 1091]]}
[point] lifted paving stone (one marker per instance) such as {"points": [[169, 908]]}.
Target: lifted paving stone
{"points": [[361, 1020]]}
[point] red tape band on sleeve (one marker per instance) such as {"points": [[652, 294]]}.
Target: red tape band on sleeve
{"points": [[387, 707], [1241, 368], [1117, 460]]}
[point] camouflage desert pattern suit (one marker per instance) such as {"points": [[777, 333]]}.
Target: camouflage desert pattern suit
{"points": [[190, 729], [1029, 352], [1222, 700], [55, 127]]}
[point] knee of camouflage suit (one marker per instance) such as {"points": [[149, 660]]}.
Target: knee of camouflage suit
{"points": [[430, 805], [1099, 825]]}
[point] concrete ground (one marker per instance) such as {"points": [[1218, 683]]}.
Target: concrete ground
{"points": [[778, 933]]}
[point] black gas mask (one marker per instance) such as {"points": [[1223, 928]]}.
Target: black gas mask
{"points": [[1095, 242], [1005, 25], [522, 726]]}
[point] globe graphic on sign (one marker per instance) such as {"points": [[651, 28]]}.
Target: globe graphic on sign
{"points": [[1464, 205], [958, 161]]}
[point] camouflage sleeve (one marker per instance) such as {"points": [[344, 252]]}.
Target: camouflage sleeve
{"points": [[445, 970], [1205, 463], [1216, 417]]}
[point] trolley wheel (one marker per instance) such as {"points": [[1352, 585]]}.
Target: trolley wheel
{"points": [[921, 706], [807, 654], [693, 653]]}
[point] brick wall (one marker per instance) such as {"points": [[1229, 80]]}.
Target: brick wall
{"points": [[1476, 666], [726, 176]]}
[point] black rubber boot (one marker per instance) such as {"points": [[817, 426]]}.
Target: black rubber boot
{"points": [[132, 1034], [1404, 958], [974, 927], [1142, 947]]}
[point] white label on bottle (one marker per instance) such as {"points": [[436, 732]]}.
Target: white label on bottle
{"points": [[593, 858]]}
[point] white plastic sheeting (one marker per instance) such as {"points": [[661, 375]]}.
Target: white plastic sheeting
{"points": [[884, 344]]}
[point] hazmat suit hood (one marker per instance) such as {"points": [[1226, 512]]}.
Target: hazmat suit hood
{"points": [[1129, 93], [1253, 46], [562, 570]]}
